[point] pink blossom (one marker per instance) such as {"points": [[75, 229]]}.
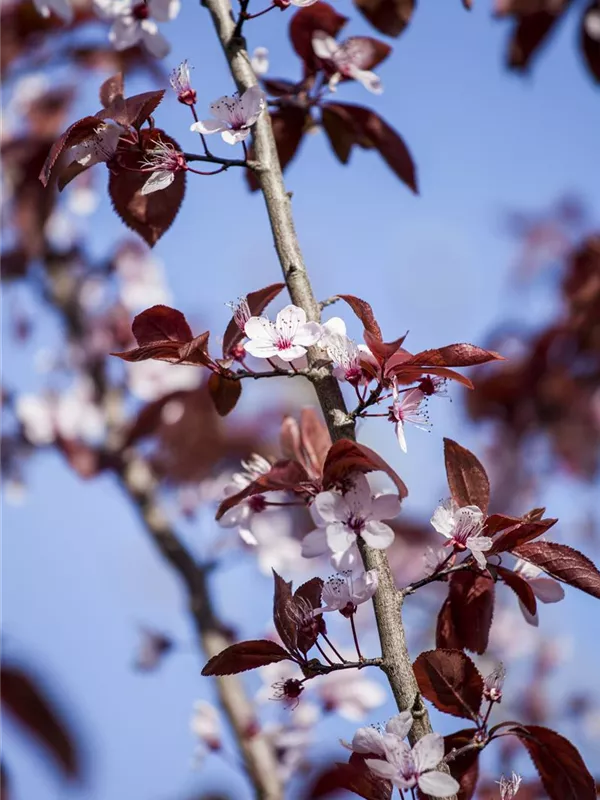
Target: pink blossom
{"points": [[206, 725], [233, 116], [370, 739], [260, 60], [134, 22], [73, 414], [546, 589], [407, 408], [98, 148], [164, 161], [182, 85], [241, 312], [349, 693], [349, 60], [288, 337], [341, 518], [345, 591], [241, 515], [462, 527], [509, 786], [494, 683], [343, 351], [407, 768]]}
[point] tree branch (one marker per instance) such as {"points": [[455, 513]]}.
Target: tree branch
{"points": [[387, 600]]}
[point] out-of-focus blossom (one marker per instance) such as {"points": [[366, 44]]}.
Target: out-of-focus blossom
{"points": [[149, 380], [72, 414], [260, 60], [206, 725], [62, 9], [291, 739], [142, 282], [152, 647], [181, 82], [233, 116], [349, 693], [164, 161], [134, 22], [407, 408], [510, 635], [341, 518], [349, 60], [433, 558], [370, 739], [287, 337], [494, 683], [546, 589], [242, 515], [462, 527], [345, 591], [509, 786], [591, 23]]}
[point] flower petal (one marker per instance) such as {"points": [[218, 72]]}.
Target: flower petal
{"points": [[368, 740], [330, 506], [400, 724], [155, 43], [252, 103], [438, 784], [291, 353], [308, 334], [547, 590], [289, 320], [314, 544], [369, 80], [428, 751], [208, 126], [124, 33], [164, 10], [444, 520], [235, 137], [324, 46], [378, 535], [381, 768], [261, 349], [157, 181], [401, 437], [385, 506], [347, 560], [359, 497], [339, 537]]}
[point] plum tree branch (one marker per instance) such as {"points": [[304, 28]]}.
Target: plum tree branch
{"points": [[387, 600]]}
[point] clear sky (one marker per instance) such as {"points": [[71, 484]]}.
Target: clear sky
{"points": [[79, 575]]}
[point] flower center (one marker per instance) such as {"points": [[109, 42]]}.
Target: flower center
{"points": [[140, 11], [355, 524], [283, 342]]}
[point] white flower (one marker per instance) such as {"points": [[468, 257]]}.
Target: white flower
{"points": [[62, 9], [494, 683], [433, 558], [98, 148], [350, 693], [292, 738], [164, 160], [462, 527], [349, 59], [260, 60], [206, 724], [546, 589], [234, 116], [287, 338], [343, 351], [344, 592], [241, 515], [141, 276], [591, 24], [135, 23], [407, 407], [341, 518], [152, 379], [70, 415], [509, 786], [370, 739], [182, 85], [407, 768]]}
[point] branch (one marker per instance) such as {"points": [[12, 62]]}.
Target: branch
{"points": [[387, 600], [226, 162]]}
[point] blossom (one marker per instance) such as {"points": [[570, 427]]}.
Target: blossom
{"points": [[345, 591], [591, 23], [407, 408], [288, 337], [299, 3], [134, 22], [344, 352], [98, 148], [494, 683], [153, 646], [349, 60], [341, 518], [370, 739], [407, 768], [234, 116], [241, 312], [433, 559], [349, 693], [260, 60], [240, 516], [546, 589], [206, 724], [62, 9], [509, 786], [141, 276], [181, 83], [73, 414], [291, 738], [462, 527], [164, 160], [152, 379]]}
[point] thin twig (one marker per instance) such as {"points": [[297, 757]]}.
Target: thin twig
{"points": [[226, 162]]}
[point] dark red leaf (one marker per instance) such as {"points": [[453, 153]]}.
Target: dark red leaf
{"points": [[27, 702], [365, 314], [388, 16], [257, 302], [317, 17], [243, 656], [288, 128], [285, 475], [520, 587], [409, 374], [520, 535], [561, 768], [499, 522], [454, 355], [563, 563], [531, 31], [161, 323], [590, 45], [451, 681], [340, 131], [149, 215], [283, 618], [353, 777], [472, 605], [315, 439], [279, 87], [346, 457], [111, 89], [311, 592], [445, 635], [224, 392], [150, 417], [382, 350], [467, 478], [464, 768], [75, 134], [374, 132], [133, 111]]}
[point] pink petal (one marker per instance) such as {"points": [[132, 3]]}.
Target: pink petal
{"points": [[378, 535], [367, 740], [330, 506], [438, 784], [157, 181], [324, 46], [314, 544], [401, 437], [308, 334], [428, 751], [358, 497], [385, 506], [381, 768], [547, 590], [339, 537], [235, 137], [400, 724], [208, 126], [292, 353]]}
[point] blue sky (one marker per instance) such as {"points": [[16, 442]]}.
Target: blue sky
{"points": [[80, 575]]}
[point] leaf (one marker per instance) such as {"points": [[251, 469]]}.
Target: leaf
{"points": [[111, 89], [345, 457], [590, 46], [257, 302], [315, 441], [305, 22], [75, 134], [383, 350], [284, 475], [463, 768], [133, 111], [472, 605], [149, 215], [520, 535], [353, 777], [285, 624], [563, 563], [243, 656], [279, 87], [454, 355], [496, 523], [224, 392], [451, 681], [364, 312], [288, 129], [27, 702], [341, 135], [409, 374], [388, 16], [374, 132], [531, 31], [445, 635], [161, 323], [520, 587], [561, 768], [467, 479], [311, 592]]}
